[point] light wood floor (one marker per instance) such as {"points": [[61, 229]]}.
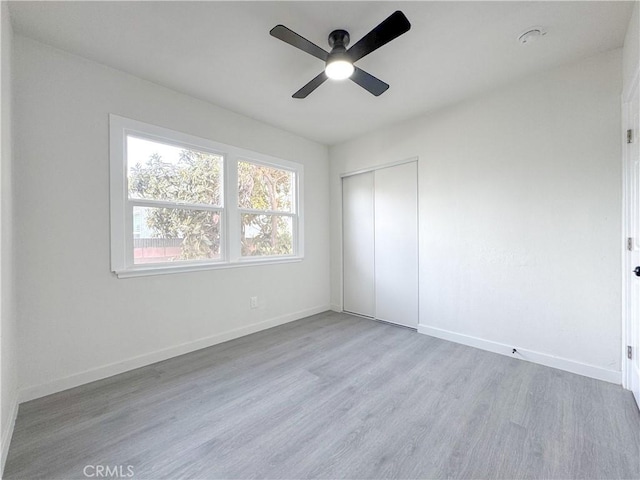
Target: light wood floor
{"points": [[333, 396]]}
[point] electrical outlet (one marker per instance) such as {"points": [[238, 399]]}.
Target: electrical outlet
{"points": [[253, 302]]}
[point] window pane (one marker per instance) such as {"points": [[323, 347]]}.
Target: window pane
{"points": [[264, 188], [266, 235], [163, 235], [157, 171]]}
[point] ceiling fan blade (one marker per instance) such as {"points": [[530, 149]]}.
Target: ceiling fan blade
{"points": [[311, 86], [370, 83], [292, 38], [394, 26]]}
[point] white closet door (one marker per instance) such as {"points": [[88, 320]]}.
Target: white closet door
{"points": [[396, 244], [358, 244]]}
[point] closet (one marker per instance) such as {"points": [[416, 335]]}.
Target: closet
{"points": [[380, 244]]}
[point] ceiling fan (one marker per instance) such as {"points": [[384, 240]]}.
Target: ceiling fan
{"points": [[339, 63]]}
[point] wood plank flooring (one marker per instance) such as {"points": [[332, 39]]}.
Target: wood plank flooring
{"points": [[333, 396]]}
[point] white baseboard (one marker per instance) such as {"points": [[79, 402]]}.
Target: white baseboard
{"points": [[336, 308], [7, 433], [58, 385], [560, 363]]}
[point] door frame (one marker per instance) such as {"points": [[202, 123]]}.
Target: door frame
{"points": [[628, 196], [373, 168]]}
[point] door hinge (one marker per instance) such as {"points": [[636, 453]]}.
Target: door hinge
{"points": [[630, 244], [629, 136], [629, 352]]}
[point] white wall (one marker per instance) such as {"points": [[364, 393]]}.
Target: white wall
{"points": [[8, 335], [631, 50], [519, 199], [78, 322]]}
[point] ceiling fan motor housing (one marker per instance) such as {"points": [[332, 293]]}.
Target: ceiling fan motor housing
{"points": [[339, 38], [338, 41]]}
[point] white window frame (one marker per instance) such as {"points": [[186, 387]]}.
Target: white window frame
{"points": [[230, 250], [293, 213]]}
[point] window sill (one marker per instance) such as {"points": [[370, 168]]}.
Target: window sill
{"points": [[168, 269]]}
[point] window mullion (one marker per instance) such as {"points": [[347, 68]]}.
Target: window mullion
{"points": [[250, 211], [233, 214], [142, 202]]}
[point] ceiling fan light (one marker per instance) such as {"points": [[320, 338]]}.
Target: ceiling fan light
{"points": [[339, 69]]}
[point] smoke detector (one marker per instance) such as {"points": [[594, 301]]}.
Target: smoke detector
{"points": [[532, 34]]}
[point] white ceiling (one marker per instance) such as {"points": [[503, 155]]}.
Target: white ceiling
{"points": [[222, 51]]}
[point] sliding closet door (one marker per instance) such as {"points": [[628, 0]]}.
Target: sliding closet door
{"points": [[396, 244], [358, 244]]}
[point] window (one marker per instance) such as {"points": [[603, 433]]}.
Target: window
{"points": [[161, 177], [265, 199], [172, 210]]}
